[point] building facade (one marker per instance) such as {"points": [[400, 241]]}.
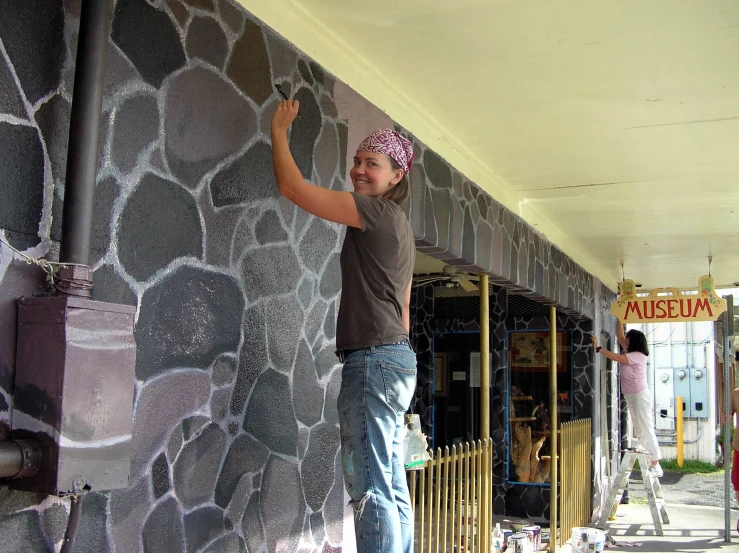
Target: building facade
{"points": [[235, 438]]}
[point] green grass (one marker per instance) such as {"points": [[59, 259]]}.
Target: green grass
{"points": [[690, 466]]}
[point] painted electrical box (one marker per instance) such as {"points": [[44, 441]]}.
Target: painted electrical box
{"points": [[698, 393], [664, 400], [74, 387], [682, 389]]}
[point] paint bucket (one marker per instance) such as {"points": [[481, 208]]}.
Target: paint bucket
{"points": [[518, 525], [506, 534], [534, 533], [587, 540], [596, 540], [518, 543], [579, 540]]}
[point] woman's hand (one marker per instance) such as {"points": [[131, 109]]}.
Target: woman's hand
{"points": [[284, 115], [594, 339]]}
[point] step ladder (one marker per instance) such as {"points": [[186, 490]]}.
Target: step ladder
{"points": [[651, 485]]}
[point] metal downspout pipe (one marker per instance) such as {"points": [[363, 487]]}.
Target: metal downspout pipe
{"points": [[21, 458], [84, 131], [82, 164]]}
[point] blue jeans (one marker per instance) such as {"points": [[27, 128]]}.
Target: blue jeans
{"points": [[377, 385]]}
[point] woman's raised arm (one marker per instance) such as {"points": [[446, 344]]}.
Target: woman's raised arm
{"points": [[331, 205]]}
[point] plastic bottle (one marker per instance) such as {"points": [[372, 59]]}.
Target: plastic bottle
{"points": [[497, 539]]}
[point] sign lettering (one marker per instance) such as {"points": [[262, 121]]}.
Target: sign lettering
{"points": [[672, 306]]}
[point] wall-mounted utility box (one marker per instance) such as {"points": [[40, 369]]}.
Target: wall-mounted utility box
{"points": [[682, 389], [664, 399], [74, 389], [698, 393]]}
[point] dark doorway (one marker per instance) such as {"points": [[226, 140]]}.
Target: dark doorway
{"points": [[457, 390]]}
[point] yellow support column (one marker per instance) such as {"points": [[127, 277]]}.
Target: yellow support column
{"points": [[554, 427], [485, 510], [484, 358], [679, 428]]}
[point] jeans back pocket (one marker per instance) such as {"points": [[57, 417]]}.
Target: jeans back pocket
{"points": [[400, 384]]}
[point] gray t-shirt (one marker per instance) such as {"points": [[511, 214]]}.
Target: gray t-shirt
{"points": [[376, 269]]}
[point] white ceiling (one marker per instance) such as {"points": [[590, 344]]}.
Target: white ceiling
{"points": [[613, 127]]}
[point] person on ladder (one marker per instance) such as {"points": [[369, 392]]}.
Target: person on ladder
{"points": [[635, 388]]}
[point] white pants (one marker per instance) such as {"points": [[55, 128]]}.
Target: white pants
{"points": [[642, 419]]}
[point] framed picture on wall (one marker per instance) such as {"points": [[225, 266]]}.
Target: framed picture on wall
{"points": [[529, 351], [440, 374]]}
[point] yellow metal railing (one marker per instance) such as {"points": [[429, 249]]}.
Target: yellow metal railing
{"points": [[452, 499], [575, 477]]}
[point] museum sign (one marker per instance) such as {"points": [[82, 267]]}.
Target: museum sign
{"points": [[668, 305]]}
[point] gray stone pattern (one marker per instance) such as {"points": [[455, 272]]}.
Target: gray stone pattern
{"points": [[422, 319], [235, 433], [516, 500], [454, 221], [616, 404], [235, 440]]}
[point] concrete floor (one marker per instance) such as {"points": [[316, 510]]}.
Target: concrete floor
{"points": [[692, 528]]}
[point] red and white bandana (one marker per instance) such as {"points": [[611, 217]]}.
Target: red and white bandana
{"points": [[391, 143]]}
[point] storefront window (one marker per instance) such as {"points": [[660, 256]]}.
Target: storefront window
{"points": [[529, 427]]}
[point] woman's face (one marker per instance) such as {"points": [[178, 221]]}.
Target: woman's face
{"points": [[372, 174]]}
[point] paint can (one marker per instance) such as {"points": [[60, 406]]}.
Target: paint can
{"points": [[587, 540], [596, 540], [506, 534], [518, 543], [534, 533], [518, 525], [579, 539]]}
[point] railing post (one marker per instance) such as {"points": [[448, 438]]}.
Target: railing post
{"points": [[429, 502]]}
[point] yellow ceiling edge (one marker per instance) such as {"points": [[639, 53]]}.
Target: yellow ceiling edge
{"points": [[301, 28]]}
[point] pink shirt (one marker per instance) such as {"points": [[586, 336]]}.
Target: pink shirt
{"points": [[634, 374]]}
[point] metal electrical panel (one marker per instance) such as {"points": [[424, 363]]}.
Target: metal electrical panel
{"points": [[698, 394], [682, 389], [690, 384], [74, 388], [664, 399], [679, 357]]}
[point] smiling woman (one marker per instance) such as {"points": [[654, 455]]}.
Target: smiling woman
{"points": [[372, 337]]}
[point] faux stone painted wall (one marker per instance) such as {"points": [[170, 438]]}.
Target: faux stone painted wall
{"points": [[454, 221], [235, 435]]}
